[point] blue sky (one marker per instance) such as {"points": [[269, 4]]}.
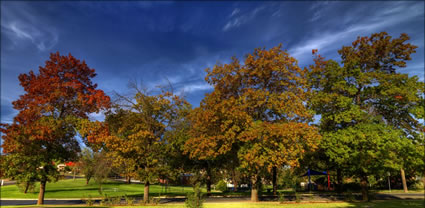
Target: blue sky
{"points": [[155, 41]]}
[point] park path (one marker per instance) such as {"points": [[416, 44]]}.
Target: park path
{"points": [[179, 200]]}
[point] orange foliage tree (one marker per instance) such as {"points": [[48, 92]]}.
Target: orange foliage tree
{"points": [[137, 126], [257, 111], [55, 101]]}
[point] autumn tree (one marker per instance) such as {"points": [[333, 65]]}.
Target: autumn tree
{"points": [[126, 167], [366, 93], [55, 99], [257, 111], [137, 128], [204, 172]]}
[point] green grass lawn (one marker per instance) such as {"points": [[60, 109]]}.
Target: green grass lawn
{"points": [[376, 204], [400, 191], [78, 189]]}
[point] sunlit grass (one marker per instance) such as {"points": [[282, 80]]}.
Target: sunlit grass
{"points": [[376, 204], [78, 189]]}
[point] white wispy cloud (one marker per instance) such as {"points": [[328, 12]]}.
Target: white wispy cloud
{"points": [[235, 12], [189, 88], [22, 27], [238, 19], [416, 69], [97, 116], [327, 40]]}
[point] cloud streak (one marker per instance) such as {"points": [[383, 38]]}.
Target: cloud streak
{"points": [[326, 41], [238, 19], [22, 27]]}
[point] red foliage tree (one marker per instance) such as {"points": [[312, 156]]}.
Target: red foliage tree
{"points": [[56, 100]]}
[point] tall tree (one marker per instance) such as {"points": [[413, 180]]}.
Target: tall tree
{"points": [[137, 129], [399, 99], [258, 111], [55, 100], [367, 92]]}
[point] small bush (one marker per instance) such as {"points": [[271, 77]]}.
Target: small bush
{"points": [[417, 185], [371, 196], [129, 200], [349, 197], [297, 197], [154, 201], [221, 186], [105, 201], [195, 199], [281, 198], [116, 200], [89, 201]]}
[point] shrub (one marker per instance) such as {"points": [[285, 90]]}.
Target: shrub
{"points": [[116, 200], [371, 196], [417, 185], [349, 197], [89, 201], [281, 198], [106, 200], [154, 200], [129, 200], [221, 186], [195, 199], [297, 197]]}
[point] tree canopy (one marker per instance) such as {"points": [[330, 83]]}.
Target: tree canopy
{"points": [[258, 111], [55, 100]]}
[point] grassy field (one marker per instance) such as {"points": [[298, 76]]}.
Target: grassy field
{"points": [[78, 189], [399, 191], [376, 204]]}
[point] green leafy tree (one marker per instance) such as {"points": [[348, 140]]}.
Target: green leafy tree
{"points": [[18, 166], [367, 92], [102, 167], [398, 98], [87, 163], [365, 150]]}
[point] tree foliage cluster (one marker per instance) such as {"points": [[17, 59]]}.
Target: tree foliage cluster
{"points": [[258, 120]]}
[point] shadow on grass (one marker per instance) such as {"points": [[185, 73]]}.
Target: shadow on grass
{"points": [[389, 204], [70, 190]]}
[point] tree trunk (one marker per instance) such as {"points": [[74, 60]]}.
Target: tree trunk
{"points": [[209, 180], [363, 184], [129, 179], [87, 180], [41, 194], [235, 185], [74, 173], [208, 186], [403, 180], [27, 185], [274, 180], [423, 180], [146, 192], [256, 181], [235, 182], [339, 180]]}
